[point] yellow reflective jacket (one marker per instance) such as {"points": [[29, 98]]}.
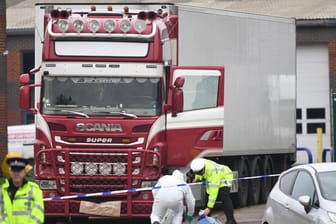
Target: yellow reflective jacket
{"points": [[26, 208], [215, 176]]}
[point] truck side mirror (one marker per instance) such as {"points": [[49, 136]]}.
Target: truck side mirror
{"points": [[25, 94], [177, 100]]}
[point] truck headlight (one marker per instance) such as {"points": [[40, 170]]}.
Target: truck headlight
{"points": [[119, 169], [48, 184], [105, 169], [77, 168], [91, 168]]}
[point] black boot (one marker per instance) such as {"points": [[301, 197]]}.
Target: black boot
{"points": [[231, 221]]}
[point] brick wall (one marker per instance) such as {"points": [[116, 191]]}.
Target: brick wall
{"points": [[3, 81], [332, 66]]}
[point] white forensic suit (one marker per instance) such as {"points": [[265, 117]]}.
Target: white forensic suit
{"points": [[170, 197]]}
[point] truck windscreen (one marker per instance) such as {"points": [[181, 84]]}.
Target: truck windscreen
{"points": [[101, 96]]}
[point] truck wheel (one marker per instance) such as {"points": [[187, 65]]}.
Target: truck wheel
{"points": [[254, 187], [240, 198], [267, 182]]}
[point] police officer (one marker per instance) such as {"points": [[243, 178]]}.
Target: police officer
{"points": [[218, 180], [21, 201]]}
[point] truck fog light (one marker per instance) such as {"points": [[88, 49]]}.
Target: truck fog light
{"points": [[136, 171], [60, 158], [137, 160], [76, 168], [145, 196], [43, 157], [105, 169], [91, 168], [61, 171]]}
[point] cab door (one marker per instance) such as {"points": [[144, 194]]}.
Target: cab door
{"points": [[195, 122]]}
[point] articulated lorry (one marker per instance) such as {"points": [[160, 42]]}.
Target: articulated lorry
{"points": [[125, 93], [21, 138]]}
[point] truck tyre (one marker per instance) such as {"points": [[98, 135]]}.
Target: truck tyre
{"points": [[254, 184], [267, 182], [240, 198]]}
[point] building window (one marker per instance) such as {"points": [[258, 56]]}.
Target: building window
{"points": [[298, 128], [298, 114], [312, 127], [315, 113]]}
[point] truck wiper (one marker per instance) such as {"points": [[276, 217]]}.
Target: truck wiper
{"points": [[74, 112], [118, 113], [127, 114]]}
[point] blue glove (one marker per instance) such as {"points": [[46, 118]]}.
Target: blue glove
{"points": [[189, 218]]}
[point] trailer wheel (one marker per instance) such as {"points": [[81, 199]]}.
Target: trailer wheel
{"points": [[240, 198], [254, 187], [267, 182]]}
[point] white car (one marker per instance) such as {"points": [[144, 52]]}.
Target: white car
{"points": [[303, 194]]}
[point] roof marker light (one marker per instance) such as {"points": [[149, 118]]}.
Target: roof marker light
{"points": [[142, 15], [94, 25], [151, 15], [64, 14], [78, 25], [54, 13], [109, 25], [125, 25], [126, 9]]}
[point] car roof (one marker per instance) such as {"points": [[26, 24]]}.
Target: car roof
{"points": [[318, 167]]}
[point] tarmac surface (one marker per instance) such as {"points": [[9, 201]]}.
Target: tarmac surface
{"points": [[247, 215]]}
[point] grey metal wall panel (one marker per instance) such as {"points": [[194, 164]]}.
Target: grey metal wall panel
{"points": [[258, 53]]}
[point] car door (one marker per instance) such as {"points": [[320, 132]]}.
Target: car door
{"points": [[279, 199], [303, 185]]}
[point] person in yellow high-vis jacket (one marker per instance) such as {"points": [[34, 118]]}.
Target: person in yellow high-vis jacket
{"points": [[218, 179], [21, 201]]}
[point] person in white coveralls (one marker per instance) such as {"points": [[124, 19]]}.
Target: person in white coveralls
{"points": [[170, 193]]}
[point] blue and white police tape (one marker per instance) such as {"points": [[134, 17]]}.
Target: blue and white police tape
{"points": [[132, 190]]}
